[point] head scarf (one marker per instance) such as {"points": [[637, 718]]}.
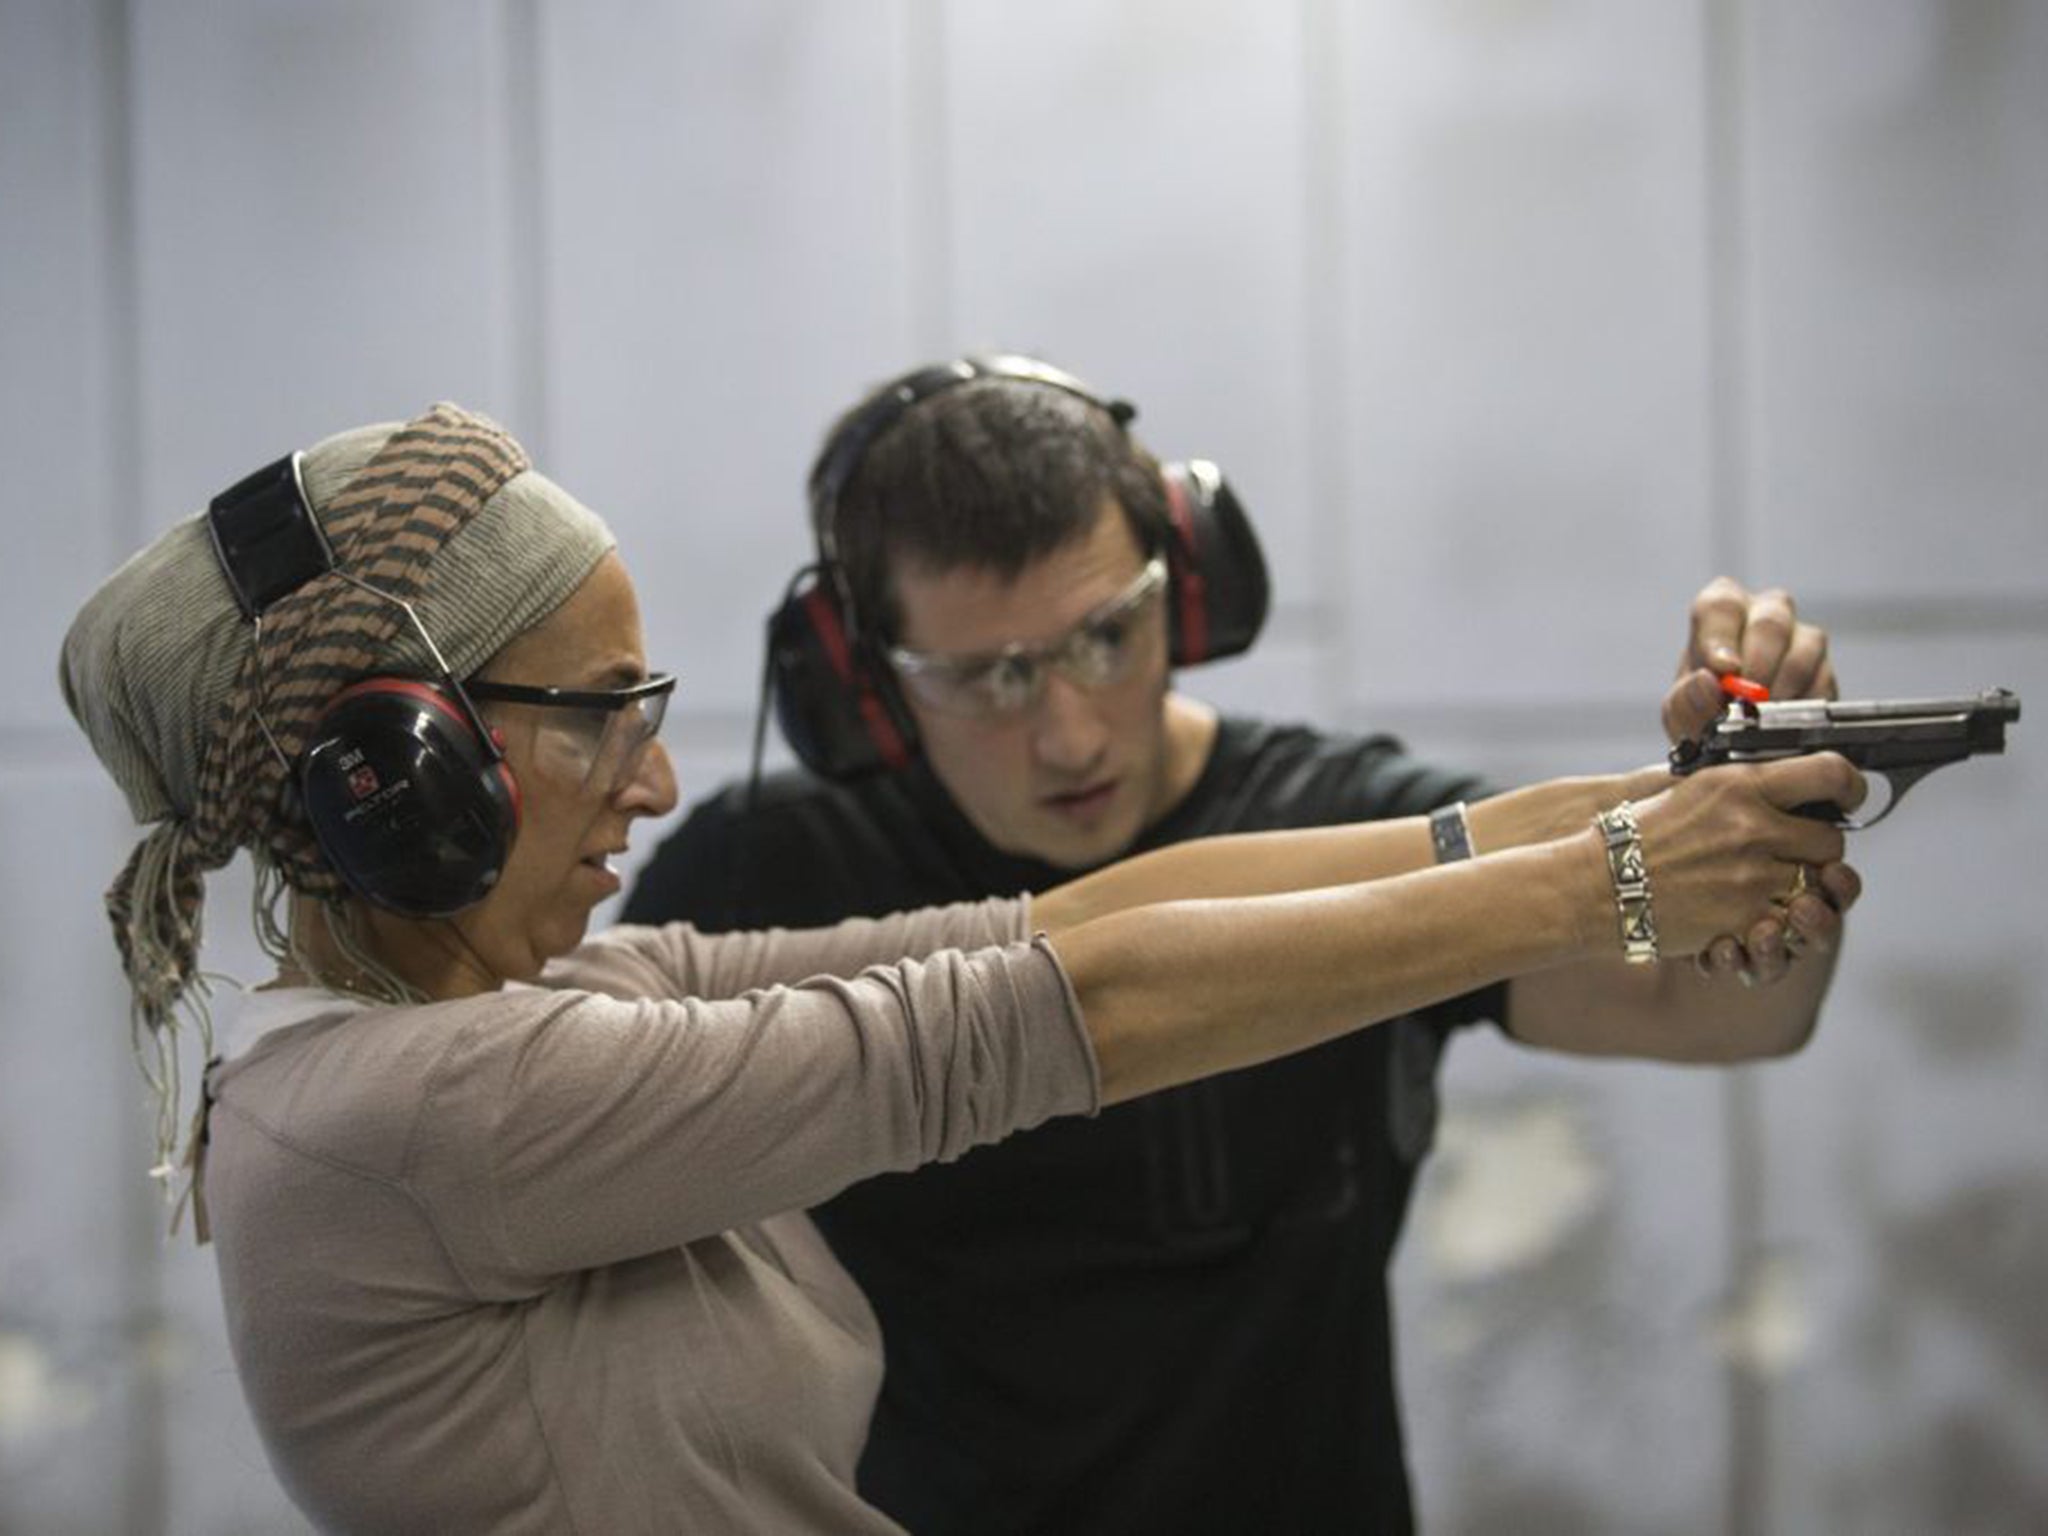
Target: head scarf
{"points": [[196, 712]]}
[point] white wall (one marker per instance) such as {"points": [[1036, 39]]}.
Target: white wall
{"points": [[1512, 322]]}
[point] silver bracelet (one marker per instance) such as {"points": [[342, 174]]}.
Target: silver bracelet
{"points": [[1450, 834], [1631, 876]]}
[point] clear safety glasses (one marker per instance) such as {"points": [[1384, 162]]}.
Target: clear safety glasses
{"points": [[597, 735], [1098, 651]]}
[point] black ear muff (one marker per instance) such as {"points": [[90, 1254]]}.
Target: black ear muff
{"points": [[1216, 572], [410, 806], [837, 708]]}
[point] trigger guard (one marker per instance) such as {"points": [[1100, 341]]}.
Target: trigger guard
{"points": [[1897, 781]]}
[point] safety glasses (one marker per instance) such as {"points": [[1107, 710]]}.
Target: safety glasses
{"points": [[596, 735], [1098, 651]]}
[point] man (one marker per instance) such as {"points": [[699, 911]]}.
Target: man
{"points": [[1173, 1317]]}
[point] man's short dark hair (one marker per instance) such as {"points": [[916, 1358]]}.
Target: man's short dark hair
{"points": [[991, 474]]}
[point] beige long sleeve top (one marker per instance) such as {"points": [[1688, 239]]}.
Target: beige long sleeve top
{"points": [[522, 1262]]}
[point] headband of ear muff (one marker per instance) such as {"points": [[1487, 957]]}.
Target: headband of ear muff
{"points": [[836, 698]]}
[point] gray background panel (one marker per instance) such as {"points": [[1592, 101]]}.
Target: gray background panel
{"points": [[1898, 235], [321, 207], [56, 397]]}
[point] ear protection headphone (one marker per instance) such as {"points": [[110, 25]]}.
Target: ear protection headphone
{"points": [[835, 693], [407, 791]]}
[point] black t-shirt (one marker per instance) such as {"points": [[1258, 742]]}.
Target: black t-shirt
{"points": [[1171, 1317]]}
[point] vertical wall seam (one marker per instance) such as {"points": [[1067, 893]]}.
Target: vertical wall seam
{"points": [[122, 295], [928, 183], [146, 1470], [526, 192], [1727, 291], [1745, 1154], [1328, 310]]}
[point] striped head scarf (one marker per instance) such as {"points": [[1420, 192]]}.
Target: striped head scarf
{"points": [[175, 689]]}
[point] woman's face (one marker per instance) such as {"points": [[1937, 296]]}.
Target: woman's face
{"points": [[574, 816]]}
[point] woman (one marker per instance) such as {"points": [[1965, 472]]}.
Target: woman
{"points": [[503, 1216]]}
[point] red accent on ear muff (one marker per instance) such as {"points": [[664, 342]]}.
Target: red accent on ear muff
{"points": [[888, 740], [1191, 593], [882, 732], [825, 624], [404, 687], [513, 798]]}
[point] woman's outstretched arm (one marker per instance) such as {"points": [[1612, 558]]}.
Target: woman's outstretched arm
{"points": [[1180, 989]]}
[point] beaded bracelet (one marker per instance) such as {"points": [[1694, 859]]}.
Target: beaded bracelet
{"points": [[1631, 877]]}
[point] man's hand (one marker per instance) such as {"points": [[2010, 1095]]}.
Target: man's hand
{"points": [[1755, 635], [1809, 924], [1759, 636]]}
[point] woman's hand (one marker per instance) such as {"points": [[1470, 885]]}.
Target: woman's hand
{"points": [[1727, 855], [1809, 923]]}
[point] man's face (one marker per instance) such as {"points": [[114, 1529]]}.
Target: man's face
{"points": [[1074, 776]]}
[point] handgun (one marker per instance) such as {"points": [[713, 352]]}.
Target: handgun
{"points": [[1902, 739]]}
